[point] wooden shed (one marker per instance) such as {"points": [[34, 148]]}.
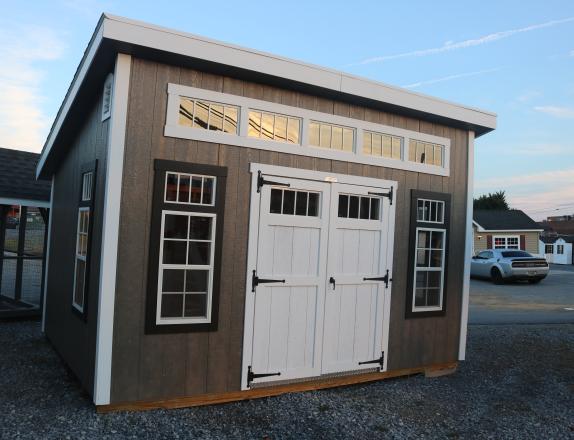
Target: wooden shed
{"points": [[228, 224]]}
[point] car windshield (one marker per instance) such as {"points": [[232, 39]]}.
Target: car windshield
{"points": [[510, 254]]}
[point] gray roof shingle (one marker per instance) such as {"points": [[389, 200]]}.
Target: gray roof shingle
{"points": [[18, 176], [510, 220]]}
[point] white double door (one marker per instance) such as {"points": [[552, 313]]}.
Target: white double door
{"points": [[312, 311]]}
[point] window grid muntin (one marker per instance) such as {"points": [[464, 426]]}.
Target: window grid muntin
{"points": [[429, 268], [81, 256], [186, 267], [308, 212], [204, 179], [255, 130], [425, 209], [376, 216], [369, 137], [506, 242], [323, 127], [227, 113]]}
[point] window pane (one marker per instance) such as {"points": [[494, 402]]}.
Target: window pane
{"points": [[186, 112], [207, 191], [337, 138], [429, 154], [200, 116], [171, 306], [195, 306], [436, 258], [200, 228], [420, 210], [267, 126], [293, 130], [377, 145], [433, 298], [387, 146], [325, 136], [348, 139], [313, 210], [421, 280], [174, 252], [343, 205], [254, 124], [353, 207], [171, 188], [423, 240], [195, 196], [276, 201], [375, 209], [216, 117], [396, 148], [301, 204], [438, 155], [423, 258], [79, 287], [175, 226], [184, 182], [420, 298], [314, 133], [196, 280], [440, 212], [172, 280], [280, 128], [199, 253], [230, 122], [365, 210], [288, 202], [412, 150], [436, 240], [367, 142], [433, 279], [433, 212], [420, 152]]}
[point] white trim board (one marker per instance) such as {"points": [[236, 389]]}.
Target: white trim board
{"points": [[25, 202], [110, 232], [173, 129]]}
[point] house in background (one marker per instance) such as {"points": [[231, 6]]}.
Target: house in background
{"points": [[557, 249], [24, 207], [223, 223], [505, 229]]}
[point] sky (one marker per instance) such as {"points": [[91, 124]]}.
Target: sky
{"points": [[514, 58]]}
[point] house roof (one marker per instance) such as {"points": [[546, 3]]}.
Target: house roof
{"points": [[552, 239], [18, 177], [504, 220], [121, 35]]}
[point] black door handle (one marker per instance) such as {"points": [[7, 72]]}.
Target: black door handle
{"points": [[332, 281]]}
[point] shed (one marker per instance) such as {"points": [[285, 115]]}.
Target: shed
{"points": [[24, 207], [504, 229], [230, 224], [557, 248]]}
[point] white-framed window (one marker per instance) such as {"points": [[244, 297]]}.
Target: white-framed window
{"points": [[426, 152], [185, 276], [207, 115], [107, 97], [189, 189], [82, 239], [560, 249], [549, 249], [274, 127], [428, 286], [87, 186], [382, 145], [430, 211], [294, 202], [506, 242], [334, 137], [359, 207]]}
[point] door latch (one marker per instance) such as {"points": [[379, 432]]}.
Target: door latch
{"points": [[332, 281], [384, 279], [255, 281]]}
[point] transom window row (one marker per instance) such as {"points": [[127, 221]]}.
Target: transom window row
{"points": [[426, 152], [189, 189], [382, 145], [274, 127], [208, 115]]}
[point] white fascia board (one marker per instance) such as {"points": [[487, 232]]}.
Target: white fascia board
{"points": [[511, 231], [478, 227]]}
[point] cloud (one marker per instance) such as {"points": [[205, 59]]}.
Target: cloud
{"points": [[556, 111], [547, 178], [450, 45], [449, 78], [528, 96], [542, 150], [571, 53], [23, 49]]}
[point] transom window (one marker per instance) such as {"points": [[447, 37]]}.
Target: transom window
{"points": [[506, 242], [294, 202], [208, 115], [382, 145], [87, 186], [331, 136], [275, 127], [430, 211], [359, 207], [190, 189], [549, 249], [426, 152], [429, 269]]}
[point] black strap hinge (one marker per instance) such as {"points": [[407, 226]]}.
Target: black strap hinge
{"points": [[255, 281], [389, 195], [380, 361], [261, 181], [384, 279], [251, 375]]}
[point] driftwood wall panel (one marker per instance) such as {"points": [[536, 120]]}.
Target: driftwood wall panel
{"points": [[172, 365]]}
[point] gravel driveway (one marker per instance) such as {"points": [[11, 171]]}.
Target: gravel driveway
{"points": [[518, 382]]}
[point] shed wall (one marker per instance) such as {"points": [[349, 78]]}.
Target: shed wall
{"points": [[173, 365], [73, 337]]}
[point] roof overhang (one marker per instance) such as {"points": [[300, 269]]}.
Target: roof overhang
{"points": [[509, 231], [120, 35]]}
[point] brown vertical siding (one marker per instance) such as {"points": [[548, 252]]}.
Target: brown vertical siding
{"points": [[172, 365], [74, 338]]}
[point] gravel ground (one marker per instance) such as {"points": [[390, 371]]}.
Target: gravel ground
{"points": [[518, 382]]}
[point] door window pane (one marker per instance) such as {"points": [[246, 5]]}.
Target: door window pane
{"points": [[276, 201], [288, 202], [354, 207], [301, 203]]}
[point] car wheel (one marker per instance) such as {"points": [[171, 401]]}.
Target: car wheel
{"points": [[496, 276], [535, 280]]}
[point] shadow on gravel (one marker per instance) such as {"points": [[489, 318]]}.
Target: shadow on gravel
{"points": [[517, 382]]}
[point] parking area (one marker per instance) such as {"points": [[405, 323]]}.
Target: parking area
{"points": [[551, 301]]}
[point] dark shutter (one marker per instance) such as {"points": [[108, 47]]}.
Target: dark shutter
{"points": [[489, 241], [523, 242]]}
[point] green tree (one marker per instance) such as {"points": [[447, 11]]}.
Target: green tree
{"points": [[495, 200]]}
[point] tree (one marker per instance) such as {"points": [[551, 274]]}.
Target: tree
{"points": [[495, 200]]}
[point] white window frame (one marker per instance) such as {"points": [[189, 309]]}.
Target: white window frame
{"points": [[429, 269], [173, 129], [107, 97], [354, 144], [84, 258], [506, 238], [401, 146], [210, 268], [203, 176], [439, 203], [275, 115], [210, 103], [548, 245]]}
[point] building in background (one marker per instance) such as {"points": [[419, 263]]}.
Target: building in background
{"points": [[557, 249]]}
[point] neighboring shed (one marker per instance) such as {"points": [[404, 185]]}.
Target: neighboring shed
{"points": [[223, 223], [24, 206], [557, 249]]}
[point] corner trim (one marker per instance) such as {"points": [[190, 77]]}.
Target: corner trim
{"points": [[110, 232], [46, 267]]}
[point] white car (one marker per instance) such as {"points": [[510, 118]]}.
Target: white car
{"points": [[501, 265]]}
